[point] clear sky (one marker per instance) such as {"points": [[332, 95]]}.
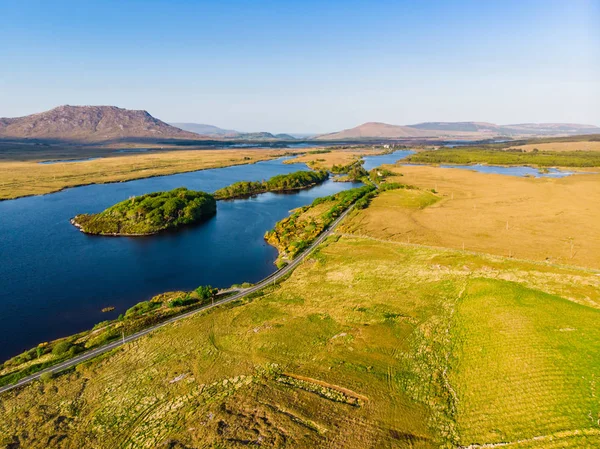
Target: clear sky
{"points": [[306, 66]]}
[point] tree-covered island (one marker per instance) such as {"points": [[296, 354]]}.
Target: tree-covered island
{"points": [[280, 183], [150, 213]]}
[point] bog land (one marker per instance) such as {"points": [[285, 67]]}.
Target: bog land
{"points": [[376, 340], [459, 313], [544, 219]]}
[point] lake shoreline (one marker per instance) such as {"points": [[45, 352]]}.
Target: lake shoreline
{"points": [[176, 172], [113, 234], [283, 192], [87, 273]]}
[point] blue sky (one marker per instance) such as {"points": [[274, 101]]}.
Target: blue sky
{"points": [[306, 66]]}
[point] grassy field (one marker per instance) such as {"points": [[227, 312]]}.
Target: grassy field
{"points": [[28, 177], [368, 344], [525, 364], [516, 156], [560, 146], [542, 219]]}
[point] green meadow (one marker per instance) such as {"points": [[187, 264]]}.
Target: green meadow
{"points": [[368, 344]]}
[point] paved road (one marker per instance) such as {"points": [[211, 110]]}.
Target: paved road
{"points": [[262, 284]]}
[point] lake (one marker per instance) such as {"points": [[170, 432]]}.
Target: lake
{"points": [[374, 161], [54, 280]]}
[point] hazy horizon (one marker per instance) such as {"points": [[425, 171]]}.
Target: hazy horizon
{"points": [[306, 67]]}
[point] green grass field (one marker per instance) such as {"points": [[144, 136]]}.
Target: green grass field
{"points": [[526, 364], [367, 344], [470, 155]]}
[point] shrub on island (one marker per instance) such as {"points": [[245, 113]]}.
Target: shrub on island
{"points": [[280, 183], [150, 213]]}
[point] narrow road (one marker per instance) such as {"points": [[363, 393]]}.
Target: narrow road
{"points": [[262, 284]]}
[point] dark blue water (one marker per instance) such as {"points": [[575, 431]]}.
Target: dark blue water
{"points": [[54, 280]]}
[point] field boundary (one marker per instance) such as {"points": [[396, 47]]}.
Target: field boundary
{"points": [[555, 436]]}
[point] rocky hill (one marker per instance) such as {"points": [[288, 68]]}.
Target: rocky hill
{"points": [[90, 124], [377, 130]]}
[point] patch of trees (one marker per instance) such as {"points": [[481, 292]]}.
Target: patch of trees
{"points": [[354, 172], [280, 183], [150, 213], [295, 233], [380, 174]]}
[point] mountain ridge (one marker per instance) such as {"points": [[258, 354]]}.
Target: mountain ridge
{"points": [[215, 131], [467, 130], [91, 124], [204, 129], [111, 123], [375, 130]]}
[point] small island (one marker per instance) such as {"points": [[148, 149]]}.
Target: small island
{"points": [[149, 214], [280, 183]]}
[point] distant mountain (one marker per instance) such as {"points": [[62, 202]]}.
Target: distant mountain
{"points": [[460, 127], [302, 135], [207, 130], [285, 137], [210, 130], [262, 136], [523, 129], [457, 130], [551, 128], [377, 130], [90, 124]]}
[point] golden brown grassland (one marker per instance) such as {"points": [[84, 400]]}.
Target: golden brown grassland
{"points": [[528, 218], [28, 177]]}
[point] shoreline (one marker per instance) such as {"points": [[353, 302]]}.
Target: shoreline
{"points": [[278, 275], [118, 234], [112, 234], [141, 177]]}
